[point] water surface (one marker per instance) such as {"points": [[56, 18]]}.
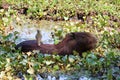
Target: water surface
{"points": [[28, 30]]}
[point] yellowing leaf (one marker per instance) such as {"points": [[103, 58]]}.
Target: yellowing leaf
{"points": [[30, 63], [48, 62], [8, 68], [29, 53], [8, 60], [9, 77], [2, 73], [68, 65], [30, 70], [71, 59]]}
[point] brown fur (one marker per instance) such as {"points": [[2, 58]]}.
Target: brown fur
{"points": [[76, 41]]}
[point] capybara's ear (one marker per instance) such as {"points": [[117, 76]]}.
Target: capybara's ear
{"points": [[72, 35]]}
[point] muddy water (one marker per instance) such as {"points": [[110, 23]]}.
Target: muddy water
{"points": [[28, 29]]}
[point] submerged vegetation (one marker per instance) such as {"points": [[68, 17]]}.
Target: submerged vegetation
{"points": [[101, 17]]}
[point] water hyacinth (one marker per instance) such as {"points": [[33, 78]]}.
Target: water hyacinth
{"points": [[19, 22]]}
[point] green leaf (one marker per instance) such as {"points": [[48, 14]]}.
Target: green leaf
{"points": [[36, 66], [56, 67], [40, 58], [64, 59]]}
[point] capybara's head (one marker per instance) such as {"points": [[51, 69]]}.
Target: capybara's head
{"points": [[78, 41]]}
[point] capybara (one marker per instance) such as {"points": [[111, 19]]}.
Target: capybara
{"points": [[75, 41]]}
